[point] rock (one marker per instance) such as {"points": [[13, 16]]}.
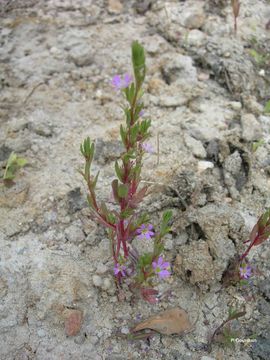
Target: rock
{"points": [[74, 234], [97, 280], [73, 322], [193, 17], [179, 68], [251, 129], [107, 284], [5, 151], [81, 55], [203, 165], [115, 7], [220, 224], [14, 196], [194, 263], [261, 349], [264, 287], [251, 105], [196, 38], [195, 146], [39, 123], [19, 142], [75, 200], [107, 151], [235, 105]]}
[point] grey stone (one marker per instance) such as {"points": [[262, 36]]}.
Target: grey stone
{"points": [[195, 146], [193, 17], [75, 200], [251, 129], [180, 69], [261, 349], [196, 38], [74, 234], [82, 55], [97, 281]]}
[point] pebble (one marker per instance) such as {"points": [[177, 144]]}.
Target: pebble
{"points": [[115, 7], [193, 18], [81, 55], [251, 129], [102, 269], [203, 165], [235, 105], [106, 284], [74, 234], [196, 38], [97, 280], [195, 146]]}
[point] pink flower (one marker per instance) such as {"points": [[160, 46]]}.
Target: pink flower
{"points": [[145, 232], [245, 271], [148, 148], [161, 268], [119, 269], [118, 83]]}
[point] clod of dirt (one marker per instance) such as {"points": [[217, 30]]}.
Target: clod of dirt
{"points": [[195, 264], [73, 322], [173, 321], [107, 151]]}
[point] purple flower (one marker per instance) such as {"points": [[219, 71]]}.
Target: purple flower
{"points": [[245, 271], [148, 148], [141, 113], [161, 268], [118, 83], [144, 232], [127, 81], [119, 269]]}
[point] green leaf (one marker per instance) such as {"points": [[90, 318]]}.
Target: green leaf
{"points": [[138, 61], [115, 190], [21, 162], [122, 190], [123, 134], [94, 183], [118, 171], [267, 107]]}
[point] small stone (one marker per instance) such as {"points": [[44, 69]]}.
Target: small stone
{"points": [[235, 105], [193, 18], [81, 55], [97, 280], [196, 38], [106, 284], [14, 196], [74, 234], [101, 269], [251, 129], [115, 6], [41, 333], [203, 165], [73, 322], [195, 146], [125, 330]]}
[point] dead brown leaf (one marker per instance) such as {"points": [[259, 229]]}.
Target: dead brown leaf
{"points": [[173, 321]]}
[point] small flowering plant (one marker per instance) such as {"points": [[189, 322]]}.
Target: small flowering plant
{"points": [[127, 223], [239, 269]]}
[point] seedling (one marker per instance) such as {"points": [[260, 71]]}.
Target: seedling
{"points": [[223, 333], [127, 223], [14, 163], [239, 268]]}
